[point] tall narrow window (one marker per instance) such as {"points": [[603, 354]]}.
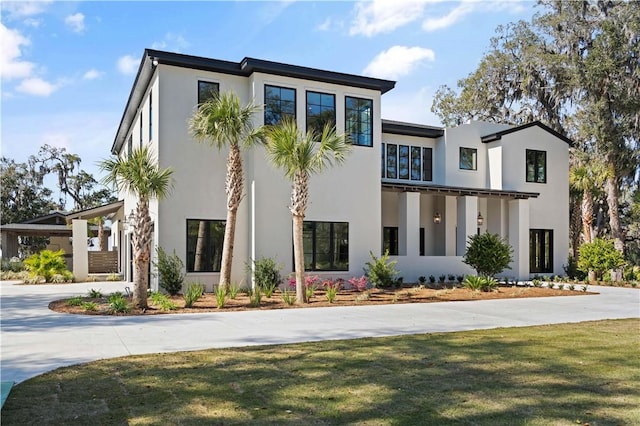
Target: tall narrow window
{"points": [[279, 102], [540, 250], [383, 150], [536, 166], [392, 161], [416, 163], [204, 245], [422, 251], [390, 240], [403, 162], [150, 116], [140, 129], [427, 164], [326, 246], [359, 120], [207, 90], [468, 158], [321, 110], [130, 145]]}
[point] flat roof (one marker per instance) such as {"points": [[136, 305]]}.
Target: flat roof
{"points": [[411, 129], [457, 190]]}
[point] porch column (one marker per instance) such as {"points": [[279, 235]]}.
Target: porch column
{"points": [[80, 252], [409, 224], [519, 237], [467, 221], [450, 214], [497, 217]]}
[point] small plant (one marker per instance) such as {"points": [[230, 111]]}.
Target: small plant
{"points": [[255, 298], [441, 279], [451, 278], [193, 293], [472, 282], [561, 286], [46, 264], [572, 287], [490, 284], [358, 284], [288, 297], [460, 278], [95, 294], [556, 278], [266, 273], [163, 302], [634, 284], [233, 291], [399, 282], [422, 279], [118, 303], [170, 276], [536, 283], [75, 301], [90, 306], [363, 297], [585, 288], [221, 295], [381, 271], [331, 288], [113, 277], [432, 279], [550, 285]]}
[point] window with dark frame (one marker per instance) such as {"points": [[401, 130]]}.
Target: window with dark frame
{"points": [[427, 164], [536, 168], [359, 120], [321, 110], [416, 163], [468, 158], [279, 102], [140, 129], [326, 246], [403, 162], [422, 251], [406, 162], [383, 164], [130, 145], [150, 115], [392, 161], [204, 245], [390, 240], [540, 251], [207, 90]]}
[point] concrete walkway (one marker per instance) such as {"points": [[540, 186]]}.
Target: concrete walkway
{"points": [[35, 340]]}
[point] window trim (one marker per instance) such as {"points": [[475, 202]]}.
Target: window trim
{"points": [[536, 156], [150, 115], [346, 113], [546, 268], [307, 106], [474, 165], [213, 270], [295, 102], [217, 84], [332, 266]]}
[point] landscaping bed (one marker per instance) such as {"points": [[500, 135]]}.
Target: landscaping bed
{"points": [[242, 301]]}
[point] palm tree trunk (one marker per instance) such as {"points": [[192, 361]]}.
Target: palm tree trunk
{"points": [[102, 241], [233, 188], [587, 216], [141, 242], [197, 266], [611, 188], [298, 258]]}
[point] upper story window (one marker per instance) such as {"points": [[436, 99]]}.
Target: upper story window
{"points": [[407, 162], [321, 109], [279, 102], [359, 120], [130, 144], [536, 166], [150, 116], [468, 159], [140, 128], [207, 90]]}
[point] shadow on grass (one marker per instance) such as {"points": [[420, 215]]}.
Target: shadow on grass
{"points": [[539, 375]]}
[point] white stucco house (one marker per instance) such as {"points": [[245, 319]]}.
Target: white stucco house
{"points": [[418, 191]]}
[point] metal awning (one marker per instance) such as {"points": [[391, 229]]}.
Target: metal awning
{"points": [[458, 191]]}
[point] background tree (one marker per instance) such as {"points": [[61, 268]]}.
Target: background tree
{"points": [[23, 195], [574, 66], [300, 155], [223, 122], [598, 257], [140, 175]]}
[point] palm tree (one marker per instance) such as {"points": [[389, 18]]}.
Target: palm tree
{"points": [[140, 175], [223, 122], [588, 178], [299, 156]]}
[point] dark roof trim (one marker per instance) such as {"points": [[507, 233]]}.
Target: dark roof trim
{"points": [[496, 136], [459, 191], [410, 129], [246, 67], [40, 219]]}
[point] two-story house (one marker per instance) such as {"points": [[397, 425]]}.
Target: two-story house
{"points": [[417, 191]]}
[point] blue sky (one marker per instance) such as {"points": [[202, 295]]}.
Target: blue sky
{"points": [[67, 67]]}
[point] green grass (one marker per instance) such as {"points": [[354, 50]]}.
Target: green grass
{"points": [[586, 373]]}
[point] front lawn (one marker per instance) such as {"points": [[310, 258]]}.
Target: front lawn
{"points": [[586, 373]]}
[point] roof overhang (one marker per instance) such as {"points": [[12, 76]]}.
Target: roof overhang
{"points": [[458, 191], [498, 135], [100, 211], [411, 129]]}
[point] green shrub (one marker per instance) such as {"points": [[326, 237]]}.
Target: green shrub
{"points": [[170, 276], [488, 254], [630, 274], [266, 273], [118, 303], [432, 279], [381, 271], [95, 294], [75, 301], [233, 291], [599, 256], [441, 279], [480, 283], [288, 297], [90, 306], [221, 296], [14, 265], [255, 297], [193, 293], [536, 283], [46, 264], [422, 280]]}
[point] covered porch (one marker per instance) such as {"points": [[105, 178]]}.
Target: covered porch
{"points": [[426, 227]]}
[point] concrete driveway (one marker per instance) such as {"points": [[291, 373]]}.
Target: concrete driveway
{"points": [[35, 340]]}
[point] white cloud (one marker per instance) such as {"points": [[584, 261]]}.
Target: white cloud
{"points": [[383, 16], [37, 87], [171, 41], [23, 9], [325, 26], [11, 66], [92, 74], [75, 22], [398, 61], [128, 64], [32, 22], [456, 14]]}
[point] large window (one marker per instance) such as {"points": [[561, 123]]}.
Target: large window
{"points": [[536, 166], [207, 90], [359, 120], [468, 158], [321, 109], [204, 245], [279, 102], [140, 129], [541, 250], [407, 162], [326, 246], [390, 240], [150, 116]]}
